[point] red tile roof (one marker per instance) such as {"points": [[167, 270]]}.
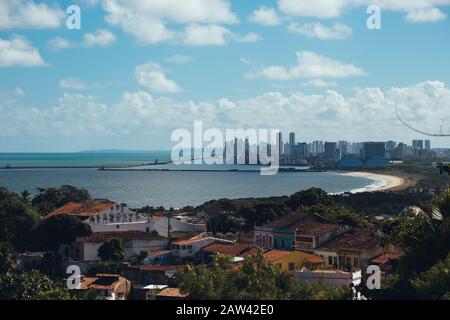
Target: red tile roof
{"points": [[384, 258], [274, 255], [315, 260], [227, 249], [190, 240], [315, 229], [86, 209], [286, 221], [358, 239], [101, 281], [122, 235], [172, 293]]}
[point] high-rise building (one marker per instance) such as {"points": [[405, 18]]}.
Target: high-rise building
{"points": [[330, 150], [300, 151], [280, 143], [427, 145], [343, 147], [417, 144], [390, 145], [373, 149], [292, 138]]}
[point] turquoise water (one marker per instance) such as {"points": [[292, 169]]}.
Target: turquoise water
{"points": [[166, 188], [81, 158]]}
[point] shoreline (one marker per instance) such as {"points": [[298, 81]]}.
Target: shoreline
{"points": [[382, 181]]}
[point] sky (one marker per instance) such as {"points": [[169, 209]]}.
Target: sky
{"points": [[136, 70]]}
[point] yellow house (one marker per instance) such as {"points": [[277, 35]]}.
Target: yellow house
{"points": [[290, 261]]}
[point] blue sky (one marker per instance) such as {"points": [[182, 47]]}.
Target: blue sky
{"points": [[136, 70]]}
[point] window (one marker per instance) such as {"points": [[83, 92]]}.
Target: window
{"points": [[348, 261], [147, 229], [283, 244], [330, 261], [291, 266], [117, 226], [355, 262], [183, 247], [275, 241], [190, 247]]}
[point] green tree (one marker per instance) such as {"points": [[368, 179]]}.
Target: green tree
{"points": [[29, 286], [434, 284], [50, 199], [256, 279], [17, 218], [111, 250], [56, 293], [104, 267], [51, 233], [6, 256], [310, 197]]}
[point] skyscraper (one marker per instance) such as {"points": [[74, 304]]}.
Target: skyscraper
{"points": [[330, 149], [427, 145], [373, 149], [280, 143], [417, 144], [390, 145], [292, 138]]}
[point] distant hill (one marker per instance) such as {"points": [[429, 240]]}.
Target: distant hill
{"points": [[120, 151]]}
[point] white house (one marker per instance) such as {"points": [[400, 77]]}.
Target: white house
{"points": [[330, 278], [190, 248], [133, 242], [107, 216], [107, 286]]}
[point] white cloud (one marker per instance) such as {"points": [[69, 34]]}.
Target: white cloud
{"points": [[179, 59], [246, 61], [416, 10], [148, 21], [202, 35], [72, 83], [59, 43], [317, 30], [311, 65], [320, 83], [28, 14], [426, 15], [137, 118], [265, 16], [213, 35], [18, 52], [101, 37], [152, 76], [249, 37]]}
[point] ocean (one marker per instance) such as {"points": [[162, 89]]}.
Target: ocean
{"points": [[161, 188]]}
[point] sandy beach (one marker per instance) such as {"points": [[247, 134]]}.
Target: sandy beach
{"points": [[382, 182]]}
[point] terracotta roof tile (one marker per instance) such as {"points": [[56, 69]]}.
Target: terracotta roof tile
{"points": [[358, 239], [172, 292], [86, 209], [315, 228], [315, 260], [274, 255], [227, 249]]}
